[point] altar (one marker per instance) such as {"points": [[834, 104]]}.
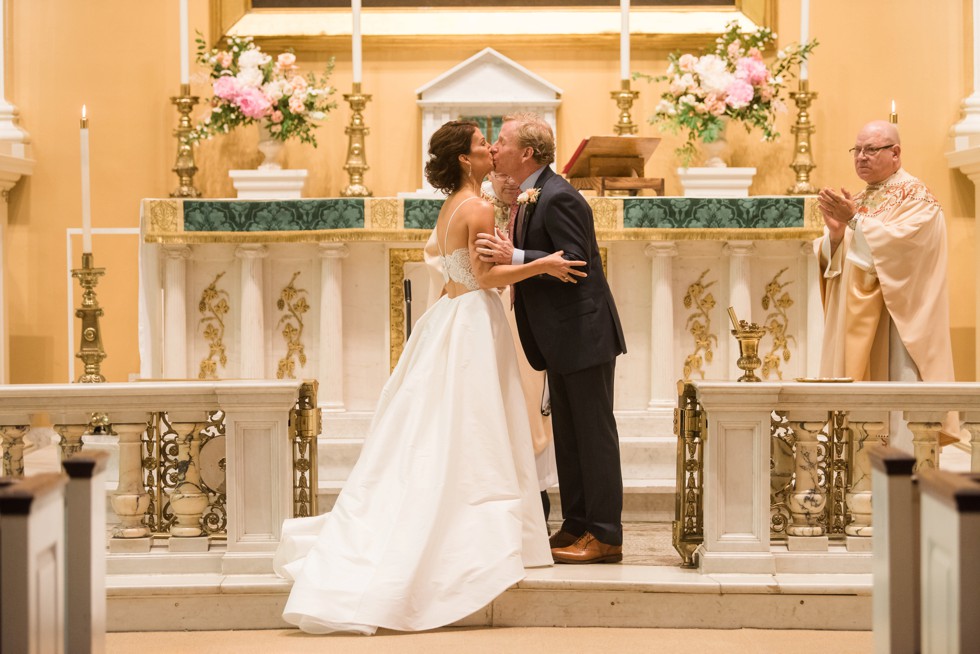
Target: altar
{"points": [[315, 288]]}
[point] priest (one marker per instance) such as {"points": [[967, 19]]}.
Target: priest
{"points": [[883, 259]]}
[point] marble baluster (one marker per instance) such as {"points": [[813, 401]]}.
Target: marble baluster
{"points": [[331, 362], [13, 450], [807, 499], [71, 439], [664, 376], [175, 311], [925, 444], [188, 500], [974, 429], [251, 345], [739, 295], [867, 436], [130, 500]]}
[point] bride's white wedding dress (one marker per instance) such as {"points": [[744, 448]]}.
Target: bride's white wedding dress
{"points": [[442, 512]]}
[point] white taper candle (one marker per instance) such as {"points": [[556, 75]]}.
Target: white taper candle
{"points": [[185, 74], [355, 8], [804, 33], [624, 40], [86, 190]]}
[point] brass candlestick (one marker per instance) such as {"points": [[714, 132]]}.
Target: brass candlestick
{"points": [[624, 98], [356, 164], [185, 166], [803, 160], [91, 351], [748, 335]]}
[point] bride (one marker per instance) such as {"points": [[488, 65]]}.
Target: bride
{"points": [[441, 513]]}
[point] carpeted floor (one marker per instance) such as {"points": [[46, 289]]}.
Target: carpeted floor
{"points": [[498, 641]]}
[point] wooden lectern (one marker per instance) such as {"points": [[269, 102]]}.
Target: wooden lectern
{"points": [[605, 163]]}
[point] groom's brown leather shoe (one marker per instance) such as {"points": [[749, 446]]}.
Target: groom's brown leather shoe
{"points": [[588, 549], [561, 538]]}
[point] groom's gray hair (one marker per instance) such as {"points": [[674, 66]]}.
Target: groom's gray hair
{"points": [[534, 133]]}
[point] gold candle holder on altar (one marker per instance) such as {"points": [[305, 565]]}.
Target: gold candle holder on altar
{"points": [[624, 98], [185, 166], [802, 129], [90, 351], [748, 335], [356, 164]]}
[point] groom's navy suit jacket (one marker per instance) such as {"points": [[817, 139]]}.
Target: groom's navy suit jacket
{"points": [[564, 327]]}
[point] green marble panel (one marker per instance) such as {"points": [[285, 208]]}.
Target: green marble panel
{"points": [[713, 213], [421, 214], [273, 215]]}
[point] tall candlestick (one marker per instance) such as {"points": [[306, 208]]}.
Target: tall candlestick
{"points": [[893, 117], [624, 39], [804, 34], [355, 8], [185, 75], [86, 192]]}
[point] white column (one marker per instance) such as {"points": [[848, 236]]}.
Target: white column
{"points": [[739, 297], [663, 376], [331, 351], [13, 139], [252, 343], [966, 133], [175, 311], [813, 336]]}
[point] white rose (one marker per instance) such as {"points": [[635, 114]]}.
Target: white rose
{"points": [[253, 59], [250, 77], [273, 90]]}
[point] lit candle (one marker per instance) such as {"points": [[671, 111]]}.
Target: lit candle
{"points": [[185, 75], [355, 7], [804, 34], [624, 40], [893, 117], [86, 192]]}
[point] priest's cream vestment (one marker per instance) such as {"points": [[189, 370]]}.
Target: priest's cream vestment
{"points": [[885, 299]]}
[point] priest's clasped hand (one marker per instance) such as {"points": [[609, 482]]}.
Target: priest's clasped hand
{"points": [[495, 248], [838, 207]]}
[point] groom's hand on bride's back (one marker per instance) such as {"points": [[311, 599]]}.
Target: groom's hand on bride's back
{"points": [[494, 248]]}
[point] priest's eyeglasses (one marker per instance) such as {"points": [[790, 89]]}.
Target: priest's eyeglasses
{"points": [[869, 151]]}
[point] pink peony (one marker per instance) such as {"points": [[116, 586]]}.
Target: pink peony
{"points": [[253, 103], [739, 94], [714, 104], [686, 63], [226, 88], [276, 116], [751, 70], [296, 104], [286, 60]]}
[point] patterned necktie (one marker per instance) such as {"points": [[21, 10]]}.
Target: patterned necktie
{"points": [[519, 226]]}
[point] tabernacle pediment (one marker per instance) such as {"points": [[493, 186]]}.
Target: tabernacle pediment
{"points": [[483, 88]]}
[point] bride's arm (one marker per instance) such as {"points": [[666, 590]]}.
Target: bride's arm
{"points": [[480, 220]]}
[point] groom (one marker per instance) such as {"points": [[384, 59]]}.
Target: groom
{"points": [[571, 330]]}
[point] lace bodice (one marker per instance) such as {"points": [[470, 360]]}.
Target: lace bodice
{"points": [[456, 265]]}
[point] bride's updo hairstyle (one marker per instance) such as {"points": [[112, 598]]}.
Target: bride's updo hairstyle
{"points": [[443, 169]]}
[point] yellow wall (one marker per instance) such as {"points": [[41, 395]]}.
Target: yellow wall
{"points": [[121, 58]]}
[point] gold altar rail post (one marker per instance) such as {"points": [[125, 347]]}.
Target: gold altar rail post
{"points": [[688, 526]]}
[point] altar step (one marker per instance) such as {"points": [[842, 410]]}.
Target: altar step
{"points": [[647, 450], [561, 596]]}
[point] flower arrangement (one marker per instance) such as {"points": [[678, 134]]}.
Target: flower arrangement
{"points": [[529, 196], [731, 82], [249, 87]]}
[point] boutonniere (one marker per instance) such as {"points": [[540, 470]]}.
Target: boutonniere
{"points": [[529, 196]]}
